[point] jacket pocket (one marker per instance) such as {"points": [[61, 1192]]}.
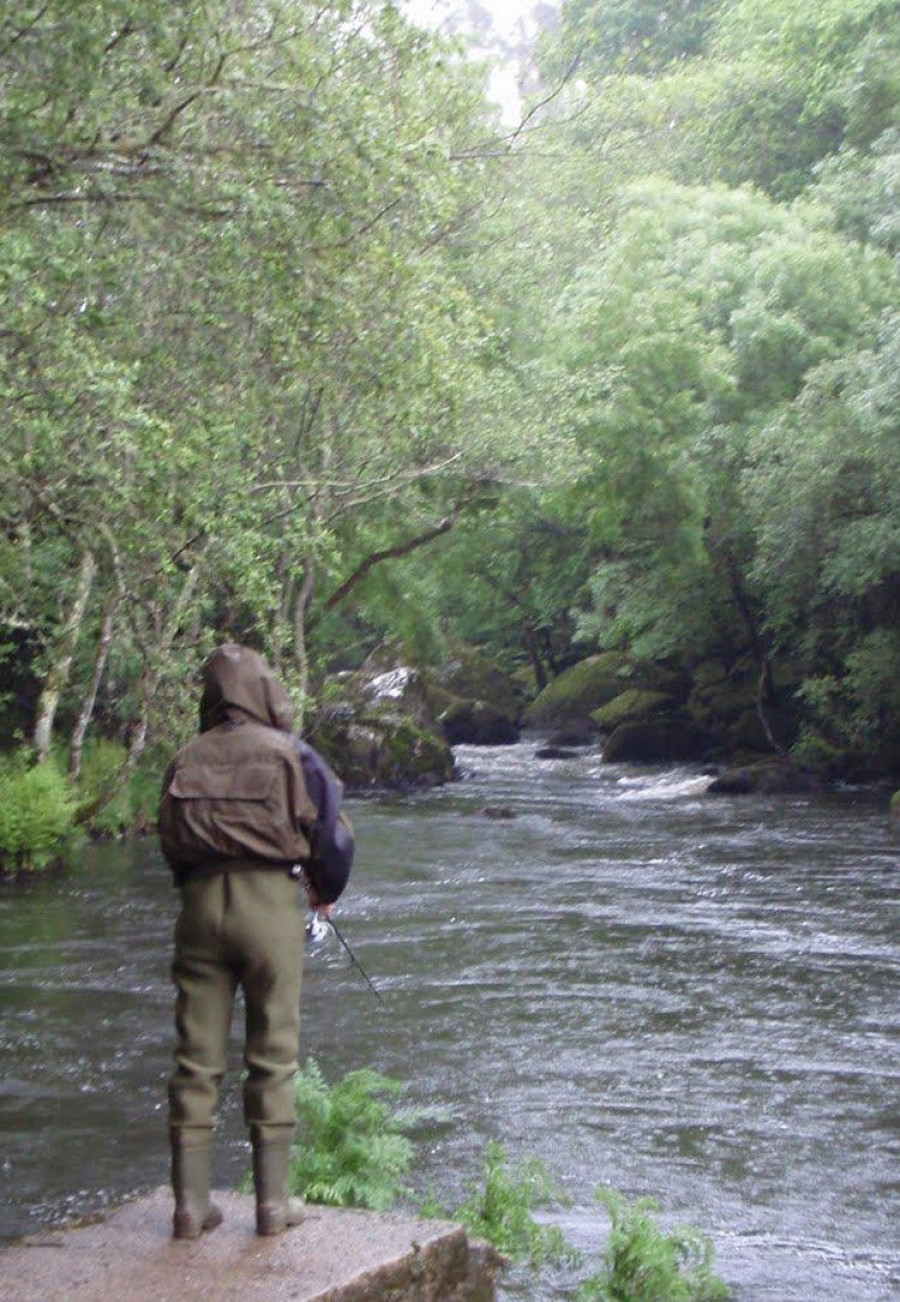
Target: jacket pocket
{"points": [[213, 811]]}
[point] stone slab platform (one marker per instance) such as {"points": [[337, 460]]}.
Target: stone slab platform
{"points": [[334, 1256]]}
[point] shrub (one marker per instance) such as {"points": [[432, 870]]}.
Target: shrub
{"points": [[36, 815], [642, 1263]]}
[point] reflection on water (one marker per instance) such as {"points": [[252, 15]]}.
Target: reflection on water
{"points": [[677, 995]]}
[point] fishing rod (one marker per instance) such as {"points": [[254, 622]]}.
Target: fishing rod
{"points": [[354, 960]]}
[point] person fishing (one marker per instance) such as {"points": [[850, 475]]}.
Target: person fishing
{"points": [[249, 814]]}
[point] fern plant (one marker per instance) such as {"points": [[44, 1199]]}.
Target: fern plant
{"points": [[352, 1149], [501, 1210], [642, 1263]]}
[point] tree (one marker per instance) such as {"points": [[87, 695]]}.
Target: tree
{"points": [[821, 491], [696, 327], [233, 317]]}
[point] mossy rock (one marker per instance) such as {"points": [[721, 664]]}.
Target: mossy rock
{"points": [[382, 750], [631, 706], [650, 676], [659, 741], [471, 675], [477, 723], [576, 692], [722, 697], [895, 805], [708, 673], [722, 702], [775, 777], [475, 700]]}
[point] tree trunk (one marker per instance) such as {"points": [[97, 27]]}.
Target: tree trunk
{"points": [[76, 746], [58, 673], [529, 637], [301, 606], [149, 684], [765, 690]]}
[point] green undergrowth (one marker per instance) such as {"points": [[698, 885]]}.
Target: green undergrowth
{"points": [[37, 814], [500, 1207], [354, 1149], [44, 813], [117, 809]]}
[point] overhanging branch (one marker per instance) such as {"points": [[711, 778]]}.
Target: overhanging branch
{"points": [[388, 554]]}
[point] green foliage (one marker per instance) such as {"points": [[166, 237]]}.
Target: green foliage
{"points": [[644, 1263], [232, 314], [352, 1148], [614, 36], [501, 1210], [298, 347], [133, 805], [36, 814]]}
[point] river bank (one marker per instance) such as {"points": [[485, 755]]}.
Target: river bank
{"points": [[334, 1256]]}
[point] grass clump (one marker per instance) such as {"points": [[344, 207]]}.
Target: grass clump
{"points": [[36, 815], [643, 1263]]}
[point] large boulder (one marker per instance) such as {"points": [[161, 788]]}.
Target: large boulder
{"points": [[475, 700], [570, 698], [664, 740], [573, 700], [476, 723], [383, 732], [632, 706], [726, 700], [768, 777]]}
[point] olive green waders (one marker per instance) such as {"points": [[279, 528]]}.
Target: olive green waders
{"points": [[236, 928]]}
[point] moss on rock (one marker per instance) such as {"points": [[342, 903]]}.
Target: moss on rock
{"points": [[475, 700], [630, 706], [576, 692], [476, 723], [383, 750]]}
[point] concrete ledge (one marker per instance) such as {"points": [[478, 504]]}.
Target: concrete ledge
{"points": [[334, 1256]]}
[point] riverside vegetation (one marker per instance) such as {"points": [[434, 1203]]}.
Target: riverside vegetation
{"points": [[301, 345], [353, 1150]]}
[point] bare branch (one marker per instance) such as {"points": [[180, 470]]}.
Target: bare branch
{"points": [[349, 486], [548, 99]]}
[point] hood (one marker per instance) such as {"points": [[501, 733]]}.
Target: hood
{"points": [[238, 683]]}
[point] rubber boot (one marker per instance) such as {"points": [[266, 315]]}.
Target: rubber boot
{"points": [[275, 1211], [191, 1175]]}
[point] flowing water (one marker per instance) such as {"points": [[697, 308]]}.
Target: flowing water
{"points": [[677, 995]]}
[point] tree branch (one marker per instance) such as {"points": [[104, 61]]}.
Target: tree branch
{"points": [[387, 554]]}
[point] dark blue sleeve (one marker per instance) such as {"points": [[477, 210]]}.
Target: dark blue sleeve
{"points": [[332, 841]]}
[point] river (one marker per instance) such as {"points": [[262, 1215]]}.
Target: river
{"points": [[676, 995]]}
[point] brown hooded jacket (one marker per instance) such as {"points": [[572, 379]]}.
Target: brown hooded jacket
{"points": [[235, 796]]}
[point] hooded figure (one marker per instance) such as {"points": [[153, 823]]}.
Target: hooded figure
{"points": [[236, 824]]}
